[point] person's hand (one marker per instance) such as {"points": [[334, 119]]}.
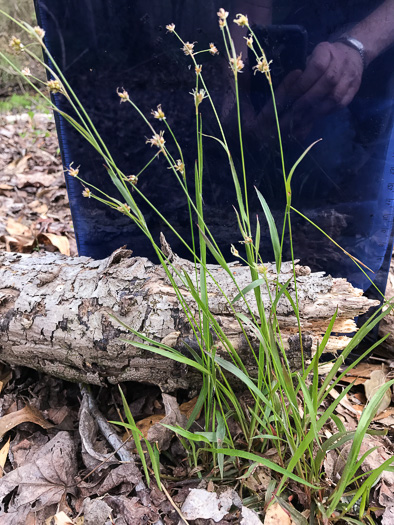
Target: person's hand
{"points": [[330, 81]]}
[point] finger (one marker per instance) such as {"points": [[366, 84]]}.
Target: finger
{"points": [[317, 65]]}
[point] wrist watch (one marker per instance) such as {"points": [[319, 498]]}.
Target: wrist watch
{"points": [[354, 44]]}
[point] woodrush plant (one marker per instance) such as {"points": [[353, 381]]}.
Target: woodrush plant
{"points": [[289, 409]]}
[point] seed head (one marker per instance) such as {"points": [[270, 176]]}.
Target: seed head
{"points": [[213, 49], [170, 28], [247, 240], [188, 48], [179, 166], [123, 95], [222, 14], [249, 41], [234, 251], [261, 269], [199, 96], [241, 20], [159, 114], [87, 193], [124, 208], [157, 140], [26, 72], [133, 179], [73, 171], [198, 69], [54, 86], [237, 64], [263, 66], [16, 44], [39, 32]]}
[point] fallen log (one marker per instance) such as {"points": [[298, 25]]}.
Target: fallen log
{"points": [[55, 315]]}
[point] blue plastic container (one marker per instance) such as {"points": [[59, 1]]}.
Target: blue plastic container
{"points": [[345, 184]]}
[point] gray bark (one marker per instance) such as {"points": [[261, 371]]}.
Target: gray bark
{"points": [[55, 315]]}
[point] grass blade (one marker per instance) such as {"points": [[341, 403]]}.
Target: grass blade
{"points": [[273, 230]]}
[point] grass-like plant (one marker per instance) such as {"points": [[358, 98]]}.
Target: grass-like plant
{"points": [[288, 410]]}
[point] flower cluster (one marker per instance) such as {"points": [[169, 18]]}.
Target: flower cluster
{"points": [[179, 166], [234, 251], [133, 179], [26, 72], [247, 240], [159, 113], [188, 48], [170, 28], [213, 49], [237, 64], [263, 66], [54, 86], [39, 32], [123, 95], [124, 208], [16, 44], [222, 14], [199, 96], [249, 41], [73, 171], [198, 69], [241, 20], [262, 270], [87, 193], [157, 140]]}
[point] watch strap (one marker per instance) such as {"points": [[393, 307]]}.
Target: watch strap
{"points": [[354, 44]]}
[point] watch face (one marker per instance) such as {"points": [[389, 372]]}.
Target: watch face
{"points": [[355, 43], [344, 184]]}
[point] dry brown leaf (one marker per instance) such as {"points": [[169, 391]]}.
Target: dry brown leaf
{"points": [[188, 407], [145, 424], [258, 481], [60, 518], [386, 413], [360, 373], [18, 244], [158, 433], [131, 509], [17, 165], [17, 228], [378, 379], [354, 409], [38, 207], [28, 414], [275, 515], [4, 455], [59, 241], [38, 180], [93, 450], [42, 482]]}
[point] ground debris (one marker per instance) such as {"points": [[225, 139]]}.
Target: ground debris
{"points": [[34, 207]]}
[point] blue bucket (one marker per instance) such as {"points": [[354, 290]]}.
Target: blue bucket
{"points": [[345, 184]]}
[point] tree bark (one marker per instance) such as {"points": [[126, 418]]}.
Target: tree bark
{"points": [[55, 315]]}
